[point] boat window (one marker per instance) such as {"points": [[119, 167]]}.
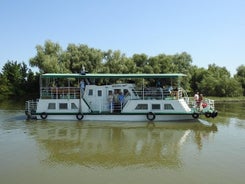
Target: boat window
{"points": [[51, 106], [99, 92], [155, 106], [142, 107], [74, 106], [90, 92], [63, 106], [168, 107]]}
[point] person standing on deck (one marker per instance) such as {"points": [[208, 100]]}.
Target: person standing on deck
{"points": [[82, 87], [121, 99], [196, 98], [116, 100], [200, 102], [110, 100]]}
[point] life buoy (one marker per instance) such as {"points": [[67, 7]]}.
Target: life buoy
{"points": [[44, 115], [79, 116], [195, 115], [150, 116], [208, 114]]}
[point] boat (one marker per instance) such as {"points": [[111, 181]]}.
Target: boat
{"points": [[115, 97]]}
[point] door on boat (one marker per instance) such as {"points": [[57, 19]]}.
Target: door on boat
{"points": [[95, 99]]}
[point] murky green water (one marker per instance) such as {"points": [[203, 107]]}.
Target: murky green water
{"points": [[206, 151]]}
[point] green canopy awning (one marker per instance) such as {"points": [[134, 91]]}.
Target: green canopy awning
{"points": [[110, 75]]}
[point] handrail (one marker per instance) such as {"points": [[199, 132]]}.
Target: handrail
{"points": [[60, 92], [145, 94]]}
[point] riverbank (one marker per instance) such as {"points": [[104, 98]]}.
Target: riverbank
{"points": [[228, 99]]}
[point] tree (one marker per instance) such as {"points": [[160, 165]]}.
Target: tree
{"points": [[5, 89], [77, 57], [49, 58], [115, 62], [13, 79], [240, 76], [162, 63], [197, 75], [140, 61], [182, 63], [32, 83], [216, 81]]}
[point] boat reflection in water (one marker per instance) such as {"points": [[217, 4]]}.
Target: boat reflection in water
{"points": [[126, 145]]}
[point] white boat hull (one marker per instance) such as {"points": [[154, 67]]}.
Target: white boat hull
{"points": [[120, 117]]}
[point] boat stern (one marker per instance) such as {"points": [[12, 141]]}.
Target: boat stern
{"points": [[206, 108], [30, 109]]}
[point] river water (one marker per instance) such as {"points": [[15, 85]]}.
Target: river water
{"points": [[204, 151]]}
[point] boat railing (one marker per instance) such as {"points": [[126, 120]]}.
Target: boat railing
{"points": [[210, 102], [159, 94], [59, 92], [204, 103], [30, 107], [185, 96]]}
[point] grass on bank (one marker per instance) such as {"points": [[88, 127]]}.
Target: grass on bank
{"points": [[228, 99]]}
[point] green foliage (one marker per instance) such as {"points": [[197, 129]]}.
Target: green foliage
{"points": [[5, 89], [197, 75], [215, 81], [76, 57], [240, 76], [49, 58], [17, 80], [115, 62]]}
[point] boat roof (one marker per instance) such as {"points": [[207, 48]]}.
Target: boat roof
{"points": [[111, 75]]}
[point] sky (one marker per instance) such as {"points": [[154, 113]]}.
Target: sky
{"points": [[211, 31]]}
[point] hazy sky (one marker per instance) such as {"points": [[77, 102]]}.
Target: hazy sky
{"points": [[211, 31]]}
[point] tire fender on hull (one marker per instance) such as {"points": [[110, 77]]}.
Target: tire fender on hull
{"points": [[214, 114], [208, 114], [79, 116], [150, 116], [195, 115], [44, 115]]}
